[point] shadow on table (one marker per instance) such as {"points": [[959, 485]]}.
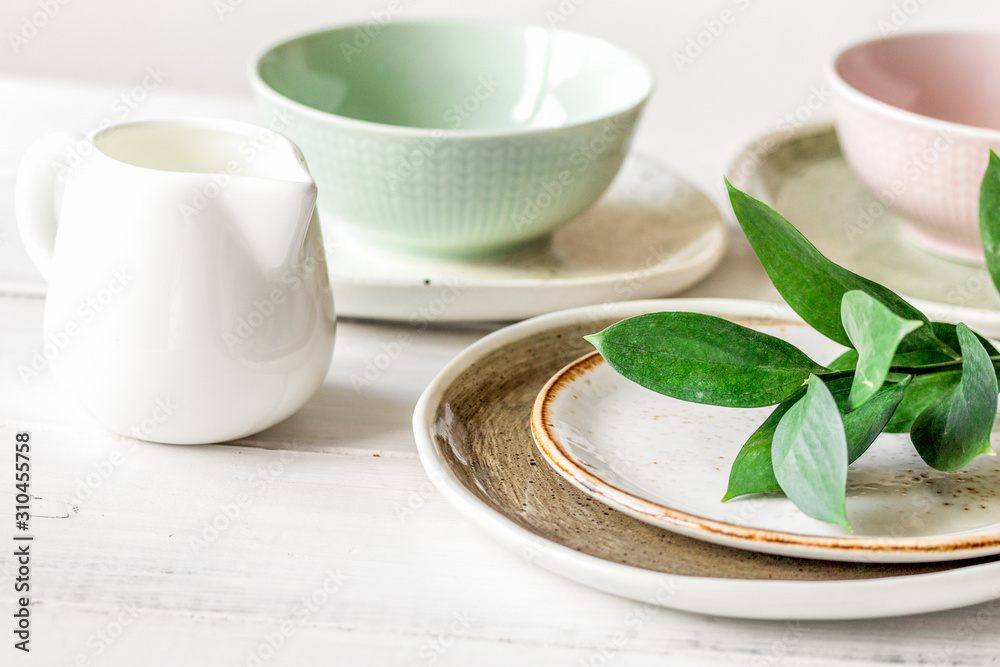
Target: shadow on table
{"points": [[339, 419]]}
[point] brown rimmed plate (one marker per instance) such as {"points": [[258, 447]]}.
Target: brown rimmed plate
{"points": [[472, 427], [667, 462]]}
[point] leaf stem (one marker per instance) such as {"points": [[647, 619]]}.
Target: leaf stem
{"points": [[939, 367]]}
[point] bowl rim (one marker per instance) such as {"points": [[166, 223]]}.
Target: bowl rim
{"points": [[264, 90], [849, 92]]}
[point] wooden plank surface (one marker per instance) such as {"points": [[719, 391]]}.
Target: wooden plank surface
{"points": [[292, 547], [237, 537]]}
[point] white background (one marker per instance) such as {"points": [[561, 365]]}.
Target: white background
{"points": [[763, 65]]}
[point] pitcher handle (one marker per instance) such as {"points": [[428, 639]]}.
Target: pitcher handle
{"points": [[38, 183]]}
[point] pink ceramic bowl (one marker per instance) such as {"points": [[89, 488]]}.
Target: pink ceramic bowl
{"points": [[916, 116]]}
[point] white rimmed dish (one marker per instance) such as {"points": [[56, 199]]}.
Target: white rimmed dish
{"points": [[651, 235], [473, 436], [667, 462]]}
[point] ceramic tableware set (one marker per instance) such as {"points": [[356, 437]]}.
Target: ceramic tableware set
{"points": [[451, 171]]}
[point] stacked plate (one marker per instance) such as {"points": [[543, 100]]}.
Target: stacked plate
{"points": [[599, 480], [532, 435], [651, 234]]}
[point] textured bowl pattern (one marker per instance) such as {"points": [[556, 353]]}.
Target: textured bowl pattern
{"points": [[916, 117], [458, 196], [454, 139], [930, 175]]}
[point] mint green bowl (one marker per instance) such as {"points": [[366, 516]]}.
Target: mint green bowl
{"points": [[454, 139]]}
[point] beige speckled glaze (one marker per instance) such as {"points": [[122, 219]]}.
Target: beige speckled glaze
{"points": [[474, 438], [651, 235], [667, 462]]}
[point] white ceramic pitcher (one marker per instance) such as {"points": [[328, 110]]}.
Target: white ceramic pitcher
{"points": [[188, 298]]}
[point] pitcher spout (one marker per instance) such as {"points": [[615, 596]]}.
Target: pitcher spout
{"points": [[272, 218]]}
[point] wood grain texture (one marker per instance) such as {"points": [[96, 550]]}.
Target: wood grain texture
{"points": [[349, 497], [404, 566]]}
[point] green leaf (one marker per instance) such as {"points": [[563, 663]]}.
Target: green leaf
{"points": [[924, 357], [956, 428], [947, 333], [922, 392], [946, 349], [875, 332], [752, 471], [989, 217], [865, 423], [845, 362], [811, 284], [809, 455], [704, 359]]}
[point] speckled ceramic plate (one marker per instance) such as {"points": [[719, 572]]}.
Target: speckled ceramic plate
{"points": [[474, 439], [667, 462], [652, 234], [803, 175]]}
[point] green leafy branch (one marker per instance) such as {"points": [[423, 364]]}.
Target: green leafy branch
{"points": [[901, 373]]}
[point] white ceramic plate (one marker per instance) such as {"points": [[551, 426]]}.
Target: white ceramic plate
{"points": [[652, 234], [667, 462], [804, 176], [472, 432]]}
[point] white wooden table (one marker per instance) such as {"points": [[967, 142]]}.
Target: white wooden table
{"points": [[322, 541]]}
